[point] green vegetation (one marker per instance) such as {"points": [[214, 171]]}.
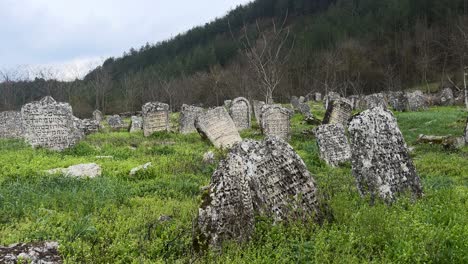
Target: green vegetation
{"points": [[115, 218]]}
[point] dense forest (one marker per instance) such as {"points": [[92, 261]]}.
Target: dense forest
{"points": [[348, 46]]}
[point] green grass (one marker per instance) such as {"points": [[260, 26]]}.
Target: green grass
{"points": [[114, 218]]}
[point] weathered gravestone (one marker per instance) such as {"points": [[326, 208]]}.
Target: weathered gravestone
{"points": [[375, 100], [446, 97], [339, 111], [302, 99], [257, 106], [240, 113], [188, 115], [88, 126], [317, 97], [304, 108], [295, 102], [416, 101], [116, 122], [137, 124], [381, 163], [50, 124], [155, 118], [398, 101], [227, 104], [266, 178], [330, 97], [276, 121], [11, 124], [333, 144], [98, 116], [217, 125]]}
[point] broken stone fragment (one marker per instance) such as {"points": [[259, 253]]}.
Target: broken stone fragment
{"points": [[143, 167], [91, 170]]}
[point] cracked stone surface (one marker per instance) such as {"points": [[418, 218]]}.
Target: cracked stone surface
{"points": [[11, 124], [50, 124], [266, 178], [155, 118], [276, 121], [380, 159], [217, 126], [188, 115], [339, 112], [34, 253], [241, 113], [333, 144]]}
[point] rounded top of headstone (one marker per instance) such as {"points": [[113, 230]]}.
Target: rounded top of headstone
{"points": [[240, 99], [154, 107], [276, 107]]}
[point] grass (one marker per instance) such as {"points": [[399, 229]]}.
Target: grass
{"points": [[115, 218]]}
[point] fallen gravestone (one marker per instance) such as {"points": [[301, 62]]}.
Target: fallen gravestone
{"points": [[137, 124], [333, 144], [265, 178], [188, 115], [34, 253], [50, 124], [155, 118], [276, 121], [116, 122], [381, 163], [257, 106], [240, 113], [11, 124], [90, 170], [217, 125], [339, 111], [98, 116]]}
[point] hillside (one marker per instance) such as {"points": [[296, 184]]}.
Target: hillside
{"points": [[348, 46]]}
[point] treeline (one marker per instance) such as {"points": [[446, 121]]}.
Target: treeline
{"points": [[348, 46]]}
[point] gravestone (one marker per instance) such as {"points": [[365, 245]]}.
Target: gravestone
{"points": [[88, 126], [227, 104], [188, 114], [50, 124], [399, 101], [339, 111], [302, 99], [295, 102], [380, 159], [155, 118], [217, 125], [276, 121], [333, 144], [375, 100], [240, 113], [257, 105], [446, 98], [11, 125], [98, 116], [416, 101], [330, 97], [116, 122], [137, 124], [257, 178], [317, 97]]}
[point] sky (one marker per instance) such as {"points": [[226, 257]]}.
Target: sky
{"points": [[70, 37]]}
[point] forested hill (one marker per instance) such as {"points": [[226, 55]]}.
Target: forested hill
{"points": [[348, 46]]}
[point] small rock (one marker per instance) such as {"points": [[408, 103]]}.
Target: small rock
{"points": [[134, 171], [90, 170], [164, 218]]}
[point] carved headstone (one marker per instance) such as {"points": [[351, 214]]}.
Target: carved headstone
{"points": [[257, 105], [217, 125], [276, 121], [295, 102], [381, 162], [98, 116], [50, 124], [416, 101], [137, 124], [339, 112], [88, 126], [266, 178], [241, 113], [333, 144], [116, 122], [446, 97], [155, 118], [188, 115], [11, 125], [330, 97]]}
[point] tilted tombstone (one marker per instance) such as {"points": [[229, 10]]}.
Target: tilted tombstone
{"points": [[11, 125], [257, 105], [98, 116], [217, 125], [446, 98], [241, 113], [333, 144], [50, 124], [416, 101], [137, 124], [329, 98], [380, 159], [276, 121], [116, 122], [339, 112], [155, 118], [375, 100], [265, 178], [317, 97], [295, 102], [188, 114]]}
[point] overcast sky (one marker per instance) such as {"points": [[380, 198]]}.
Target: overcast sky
{"points": [[74, 35]]}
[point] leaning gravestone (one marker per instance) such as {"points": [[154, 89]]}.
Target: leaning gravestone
{"points": [[98, 116], [116, 122], [217, 125], [276, 121], [381, 163], [333, 144], [257, 106], [188, 115], [330, 97], [240, 113], [339, 111], [50, 124], [11, 124], [155, 118], [257, 178], [137, 124]]}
